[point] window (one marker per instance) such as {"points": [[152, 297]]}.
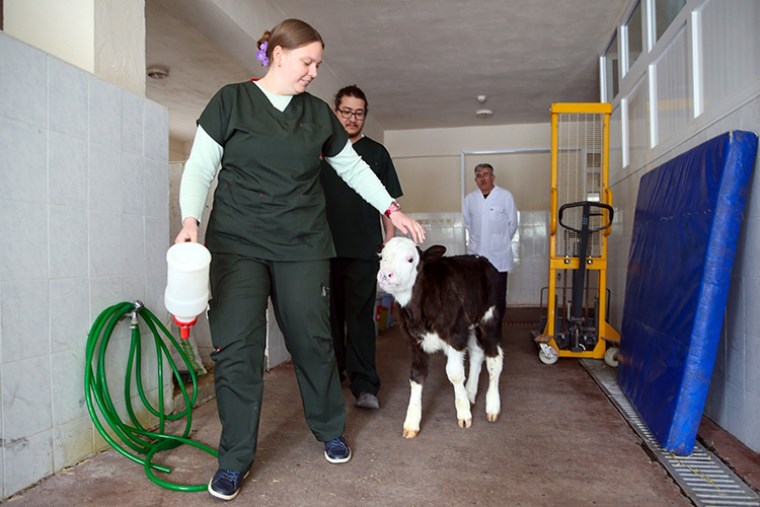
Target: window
{"points": [[665, 11], [611, 69], [634, 32]]}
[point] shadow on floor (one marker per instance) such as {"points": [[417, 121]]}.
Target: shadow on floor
{"points": [[559, 442]]}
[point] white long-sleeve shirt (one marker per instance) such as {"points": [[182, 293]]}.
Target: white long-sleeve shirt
{"points": [[491, 222]]}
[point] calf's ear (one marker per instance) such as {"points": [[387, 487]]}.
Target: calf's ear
{"points": [[433, 253]]}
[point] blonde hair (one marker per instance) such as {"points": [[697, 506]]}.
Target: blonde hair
{"points": [[290, 34]]}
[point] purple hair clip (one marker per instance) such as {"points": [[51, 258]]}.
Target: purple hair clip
{"points": [[261, 54]]}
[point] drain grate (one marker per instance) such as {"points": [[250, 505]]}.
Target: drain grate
{"points": [[704, 477]]}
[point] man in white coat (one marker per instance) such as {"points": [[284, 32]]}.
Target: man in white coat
{"points": [[490, 218]]}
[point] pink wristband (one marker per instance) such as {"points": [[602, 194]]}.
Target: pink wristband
{"points": [[394, 207]]}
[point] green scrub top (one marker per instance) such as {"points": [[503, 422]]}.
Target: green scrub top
{"points": [[269, 203], [355, 224]]}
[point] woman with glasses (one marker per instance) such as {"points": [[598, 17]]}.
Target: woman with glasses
{"points": [[269, 237]]}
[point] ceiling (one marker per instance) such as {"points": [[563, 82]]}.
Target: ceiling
{"points": [[422, 63]]}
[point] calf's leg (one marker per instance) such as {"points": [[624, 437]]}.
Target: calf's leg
{"points": [[455, 372], [476, 361], [417, 376], [494, 366]]}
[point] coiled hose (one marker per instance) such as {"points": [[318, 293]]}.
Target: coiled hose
{"points": [[134, 436]]}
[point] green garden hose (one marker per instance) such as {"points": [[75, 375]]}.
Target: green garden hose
{"points": [[137, 438]]}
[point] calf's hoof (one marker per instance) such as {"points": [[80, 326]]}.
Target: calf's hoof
{"points": [[465, 423], [410, 433], [492, 417]]}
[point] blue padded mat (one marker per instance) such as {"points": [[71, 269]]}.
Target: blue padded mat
{"points": [[686, 226]]}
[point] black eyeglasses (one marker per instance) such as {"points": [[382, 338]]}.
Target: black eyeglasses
{"points": [[347, 113]]}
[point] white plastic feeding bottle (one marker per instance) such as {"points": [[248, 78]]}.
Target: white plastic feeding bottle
{"points": [[187, 292]]}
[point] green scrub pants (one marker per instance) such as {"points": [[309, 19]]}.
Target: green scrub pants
{"points": [[240, 287], [353, 284]]}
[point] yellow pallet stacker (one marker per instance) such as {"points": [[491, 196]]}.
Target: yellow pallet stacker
{"points": [[575, 321]]}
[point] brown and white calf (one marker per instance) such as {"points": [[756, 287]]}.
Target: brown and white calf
{"points": [[448, 304]]}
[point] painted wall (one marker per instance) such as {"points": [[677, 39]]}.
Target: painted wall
{"points": [[120, 44], [64, 29], [701, 79], [84, 191], [104, 38], [429, 163]]}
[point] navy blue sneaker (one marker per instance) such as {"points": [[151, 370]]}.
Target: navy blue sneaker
{"points": [[337, 450], [226, 483]]}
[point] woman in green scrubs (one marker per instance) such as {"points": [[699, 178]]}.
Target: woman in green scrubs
{"points": [[269, 238]]}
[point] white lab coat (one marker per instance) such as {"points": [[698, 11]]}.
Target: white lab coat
{"points": [[491, 223]]}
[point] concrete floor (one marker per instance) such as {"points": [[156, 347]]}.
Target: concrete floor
{"points": [[559, 442]]}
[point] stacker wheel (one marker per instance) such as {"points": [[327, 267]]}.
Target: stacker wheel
{"points": [[611, 357], [547, 354]]}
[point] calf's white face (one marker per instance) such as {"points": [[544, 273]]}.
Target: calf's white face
{"points": [[398, 268]]}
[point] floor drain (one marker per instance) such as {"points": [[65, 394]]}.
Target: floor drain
{"points": [[703, 476]]}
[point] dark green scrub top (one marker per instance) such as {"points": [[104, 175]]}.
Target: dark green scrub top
{"points": [[355, 224], [269, 203]]}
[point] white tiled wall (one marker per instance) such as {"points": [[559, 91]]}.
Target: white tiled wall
{"points": [[442, 228], [531, 247], [730, 82], [276, 351], [84, 225]]}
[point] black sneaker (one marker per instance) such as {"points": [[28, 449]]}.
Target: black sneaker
{"points": [[337, 450], [226, 483]]}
